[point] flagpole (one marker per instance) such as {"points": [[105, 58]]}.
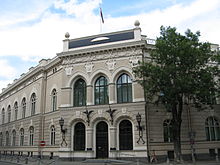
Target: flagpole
{"points": [[101, 18], [100, 24]]}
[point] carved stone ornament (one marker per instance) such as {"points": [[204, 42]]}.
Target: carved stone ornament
{"points": [[124, 110], [133, 61], [68, 70], [99, 111], [111, 64], [89, 66], [77, 113]]}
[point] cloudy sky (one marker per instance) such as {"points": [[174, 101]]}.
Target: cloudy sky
{"points": [[34, 29]]}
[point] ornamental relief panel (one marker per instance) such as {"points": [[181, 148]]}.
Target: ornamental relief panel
{"points": [[109, 56], [134, 61], [89, 66], [110, 64], [104, 55]]}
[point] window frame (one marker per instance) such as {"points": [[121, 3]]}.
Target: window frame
{"points": [[212, 129], [1, 139], [21, 133], [3, 115], [79, 139], [79, 93], [7, 138], [124, 89], [24, 107], [16, 110], [31, 136], [52, 135], [13, 138], [54, 100], [98, 93], [9, 114], [125, 135], [33, 104], [167, 131]]}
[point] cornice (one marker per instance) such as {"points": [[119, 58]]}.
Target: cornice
{"points": [[102, 48], [22, 79], [36, 70]]}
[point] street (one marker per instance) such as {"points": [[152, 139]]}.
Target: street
{"points": [[5, 163]]}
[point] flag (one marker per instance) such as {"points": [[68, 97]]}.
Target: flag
{"points": [[101, 15]]}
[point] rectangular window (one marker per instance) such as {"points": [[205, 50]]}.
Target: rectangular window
{"points": [[170, 155], [212, 152]]}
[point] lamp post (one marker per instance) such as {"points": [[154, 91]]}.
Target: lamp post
{"points": [[140, 128], [63, 131]]}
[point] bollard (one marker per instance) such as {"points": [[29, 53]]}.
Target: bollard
{"points": [[38, 161], [17, 159], [168, 160], [26, 160], [216, 158]]}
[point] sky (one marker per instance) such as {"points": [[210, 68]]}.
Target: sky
{"points": [[31, 30]]}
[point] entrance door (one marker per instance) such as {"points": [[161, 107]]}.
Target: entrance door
{"points": [[102, 140]]}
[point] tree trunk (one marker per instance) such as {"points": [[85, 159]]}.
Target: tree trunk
{"points": [[177, 141], [176, 124]]}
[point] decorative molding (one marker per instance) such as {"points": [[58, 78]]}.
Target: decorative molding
{"points": [[68, 70], [78, 113], [111, 64], [104, 55], [134, 61], [124, 110], [89, 66], [100, 111]]}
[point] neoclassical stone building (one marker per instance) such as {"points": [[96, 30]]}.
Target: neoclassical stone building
{"points": [[91, 86]]}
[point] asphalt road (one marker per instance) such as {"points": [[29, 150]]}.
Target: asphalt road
{"points": [[5, 163]]}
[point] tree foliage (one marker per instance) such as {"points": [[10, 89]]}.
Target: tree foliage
{"points": [[180, 68]]}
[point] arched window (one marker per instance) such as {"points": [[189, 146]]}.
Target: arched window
{"points": [[1, 139], [79, 137], [16, 110], [124, 89], [21, 137], [7, 138], [9, 113], [31, 136], [167, 131], [80, 93], [101, 91], [125, 135], [52, 135], [54, 100], [23, 104], [212, 129], [3, 116], [33, 103], [13, 138]]}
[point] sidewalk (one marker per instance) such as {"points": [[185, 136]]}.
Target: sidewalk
{"points": [[34, 161]]}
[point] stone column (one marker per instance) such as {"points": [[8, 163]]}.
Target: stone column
{"points": [[89, 95], [113, 139], [89, 139], [112, 95]]}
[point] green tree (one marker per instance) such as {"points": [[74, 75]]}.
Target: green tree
{"points": [[179, 71]]}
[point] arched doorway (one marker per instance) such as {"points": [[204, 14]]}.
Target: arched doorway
{"points": [[102, 140]]}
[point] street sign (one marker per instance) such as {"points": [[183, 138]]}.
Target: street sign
{"points": [[42, 143]]}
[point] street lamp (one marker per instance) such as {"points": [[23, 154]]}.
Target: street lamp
{"points": [[140, 128], [63, 131]]}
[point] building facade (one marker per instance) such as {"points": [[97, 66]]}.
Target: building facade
{"points": [[91, 86]]}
